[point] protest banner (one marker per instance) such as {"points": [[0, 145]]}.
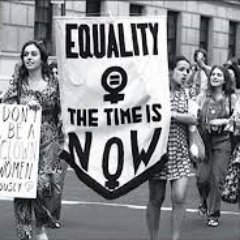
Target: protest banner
{"points": [[19, 150], [115, 99]]}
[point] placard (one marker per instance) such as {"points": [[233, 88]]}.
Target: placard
{"points": [[19, 150]]}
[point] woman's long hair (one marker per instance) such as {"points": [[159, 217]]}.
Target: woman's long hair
{"points": [[236, 71], [227, 85], [23, 72]]}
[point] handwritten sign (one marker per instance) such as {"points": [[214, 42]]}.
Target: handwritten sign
{"points": [[115, 99], [19, 150]]}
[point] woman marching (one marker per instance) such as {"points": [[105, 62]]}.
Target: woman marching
{"points": [[231, 187], [34, 86], [216, 107], [177, 168], [55, 205]]}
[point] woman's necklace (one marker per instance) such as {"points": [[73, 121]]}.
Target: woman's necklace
{"points": [[218, 95], [216, 103], [37, 84]]}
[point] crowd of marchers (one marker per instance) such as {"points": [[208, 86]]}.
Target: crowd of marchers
{"points": [[215, 92]]}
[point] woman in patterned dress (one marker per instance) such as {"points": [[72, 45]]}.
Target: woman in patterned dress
{"points": [[35, 86], [177, 168], [216, 107]]}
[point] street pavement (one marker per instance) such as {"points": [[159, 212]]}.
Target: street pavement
{"points": [[88, 216]]}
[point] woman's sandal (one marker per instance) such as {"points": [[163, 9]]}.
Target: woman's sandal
{"points": [[54, 225], [42, 235], [57, 224], [213, 223]]}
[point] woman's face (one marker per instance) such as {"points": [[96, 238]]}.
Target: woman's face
{"points": [[200, 56], [217, 78], [32, 58], [181, 72]]}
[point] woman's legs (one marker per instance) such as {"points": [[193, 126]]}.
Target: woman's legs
{"points": [[203, 171], [41, 211], [178, 194], [23, 215], [220, 160], [57, 195], [41, 221], [157, 189]]}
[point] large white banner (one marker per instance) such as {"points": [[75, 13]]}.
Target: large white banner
{"points": [[115, 99], [19, 150]]}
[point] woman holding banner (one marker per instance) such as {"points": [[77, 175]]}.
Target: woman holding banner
{"points": [[35, 86], [177, 168]]}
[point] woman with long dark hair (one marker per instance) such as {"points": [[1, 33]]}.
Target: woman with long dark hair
{"points": [[216, 108], [34, 86]]}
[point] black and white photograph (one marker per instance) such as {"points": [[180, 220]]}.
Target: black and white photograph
{"points": [[120, 119]]}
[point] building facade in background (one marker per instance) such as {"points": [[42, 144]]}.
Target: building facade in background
{"points": [[212, 25]]}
